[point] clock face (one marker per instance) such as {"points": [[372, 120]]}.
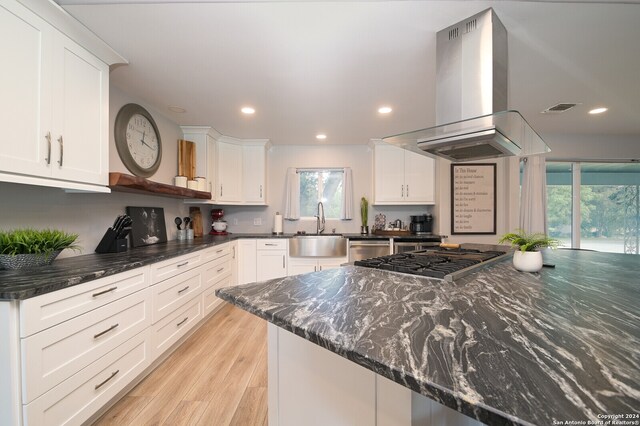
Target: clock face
{"points": [[138, 140], [142, 141]]}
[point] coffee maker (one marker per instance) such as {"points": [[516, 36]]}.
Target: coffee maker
{"points": [[421, 224], [218, 225]]}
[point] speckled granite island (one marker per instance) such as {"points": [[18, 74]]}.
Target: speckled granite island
{"points": [[557, 347]]}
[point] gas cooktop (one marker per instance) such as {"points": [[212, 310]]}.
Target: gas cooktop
{"points": [[447, 264]]}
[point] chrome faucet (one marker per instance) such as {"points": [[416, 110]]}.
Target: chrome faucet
{"points": [[320, 218]]}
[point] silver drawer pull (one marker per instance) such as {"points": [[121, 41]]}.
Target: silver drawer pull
{"points": [[61, 142], [182, 264], [109, 290], [219, 251], [183, 290], [48, 138], [99, 385], [113, 327], [182, 322], [270, 244], [220, 270]]}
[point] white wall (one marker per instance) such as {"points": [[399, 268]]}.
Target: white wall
{"points": [[358, 157], [90, 215]]}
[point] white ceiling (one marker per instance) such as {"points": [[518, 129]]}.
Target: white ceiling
{"points": [[325, 67]]}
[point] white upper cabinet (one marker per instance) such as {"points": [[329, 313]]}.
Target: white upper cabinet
{"points": [[54, 108], [402, 177], [254, 159], [229, 175]]}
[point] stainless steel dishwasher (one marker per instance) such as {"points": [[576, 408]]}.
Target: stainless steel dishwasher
{"points": [[366, 249]]}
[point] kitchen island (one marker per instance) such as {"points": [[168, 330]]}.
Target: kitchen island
{"points": [[499, 346]]}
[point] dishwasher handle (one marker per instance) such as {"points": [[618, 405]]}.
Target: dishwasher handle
{"points": [[354, 244]]}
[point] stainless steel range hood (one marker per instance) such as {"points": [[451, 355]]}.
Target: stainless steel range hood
{"points": [[473, 122]]}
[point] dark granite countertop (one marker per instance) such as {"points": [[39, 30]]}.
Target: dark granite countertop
{"points": [[499, 345], [66, 272]]}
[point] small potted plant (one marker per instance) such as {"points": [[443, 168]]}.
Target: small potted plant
{"points": [[528, 258], [28, 248], [364, 216]]}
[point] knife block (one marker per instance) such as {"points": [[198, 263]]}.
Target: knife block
{"points": [[110, 244]]}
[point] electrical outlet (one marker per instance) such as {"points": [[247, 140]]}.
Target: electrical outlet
{"points": [[257, 221], [235, 221]]}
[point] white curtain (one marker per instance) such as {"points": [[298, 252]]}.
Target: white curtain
{"points": [[533, 198], [346, 208], [292, 195]]}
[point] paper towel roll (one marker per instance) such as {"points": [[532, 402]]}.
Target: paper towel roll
{"points": [[277, 223]]}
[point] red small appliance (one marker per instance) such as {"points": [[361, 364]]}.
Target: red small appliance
{"points": [[218, 226]]}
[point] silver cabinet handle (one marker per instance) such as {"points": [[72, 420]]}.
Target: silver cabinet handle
{"points": [[48, 138], [234, 252], [220, 270], [182, 322], [283, 261], [219, 251], [260, 191], [183, 290], [270, 244], [221, 190], [61, 142], [407, 190], [109, 290], [315, 269], [402, 192], [113, 327], [182, 264], [99, 385]]}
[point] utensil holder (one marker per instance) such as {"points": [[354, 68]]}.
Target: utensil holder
{"points": [[111, 244]]}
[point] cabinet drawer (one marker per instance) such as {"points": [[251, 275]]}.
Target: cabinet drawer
{"points": [[216, 252], [209, 299], [41, 312], [79, 397], [212, 272], [53, 355], [272, 244], [172, 267], [174, 292], [171, 328]]}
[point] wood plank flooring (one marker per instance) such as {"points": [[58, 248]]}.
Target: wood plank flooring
{"points": [[217, 377]]}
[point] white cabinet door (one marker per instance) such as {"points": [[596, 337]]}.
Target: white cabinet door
{"points": [[271, 264], [299, 266], [25, 88], [331, 263], [419, 172], [254, 174], [81, 115], [247, 272], [388, 174], [234, 263], [229, 172]]}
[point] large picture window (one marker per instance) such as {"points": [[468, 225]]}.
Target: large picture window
{"points": [[321, 185], [595, 205]]}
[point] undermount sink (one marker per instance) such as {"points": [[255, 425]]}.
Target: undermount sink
{"points": [[318, 245]]}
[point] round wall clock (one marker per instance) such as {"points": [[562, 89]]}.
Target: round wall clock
{"points": [[138, 140]]}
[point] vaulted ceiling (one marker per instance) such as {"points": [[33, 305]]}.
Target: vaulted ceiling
{"points": [[313, 67]]}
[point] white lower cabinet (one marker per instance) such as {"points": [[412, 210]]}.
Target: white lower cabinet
{"points": [[170, 294], [303, 265], [73, 401], [271, 258], [247, 262], [171, 328]]}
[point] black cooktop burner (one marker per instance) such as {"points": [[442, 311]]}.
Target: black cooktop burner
{"points": [[430, 263]]}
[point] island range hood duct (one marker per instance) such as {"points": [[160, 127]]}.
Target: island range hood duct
{"points": [[472, 119]]}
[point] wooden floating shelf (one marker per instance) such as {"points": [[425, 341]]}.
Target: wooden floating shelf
{"points": [[126, 183]]}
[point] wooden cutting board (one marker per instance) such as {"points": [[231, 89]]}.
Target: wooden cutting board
{"points": [[186, 159], [196, 220]]}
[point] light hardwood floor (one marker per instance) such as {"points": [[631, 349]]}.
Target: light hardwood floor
{"points": [[217, 377]]}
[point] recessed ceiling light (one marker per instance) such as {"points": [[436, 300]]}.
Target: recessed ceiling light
{"points": [[598, 110], [177, 109], [321, 136], [384, 110], [248, 110]]}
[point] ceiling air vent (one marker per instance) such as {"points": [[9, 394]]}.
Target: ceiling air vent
{"points": [[559, 108]]}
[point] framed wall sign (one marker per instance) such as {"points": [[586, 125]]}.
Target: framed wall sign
{"points": [[473, 199], [148, 226]]}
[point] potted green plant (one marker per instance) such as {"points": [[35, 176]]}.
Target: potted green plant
{"points": [[364, 216], [27, 248], [528, 257]]}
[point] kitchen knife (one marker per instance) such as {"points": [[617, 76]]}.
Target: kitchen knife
{"points": [[118, 223]]}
